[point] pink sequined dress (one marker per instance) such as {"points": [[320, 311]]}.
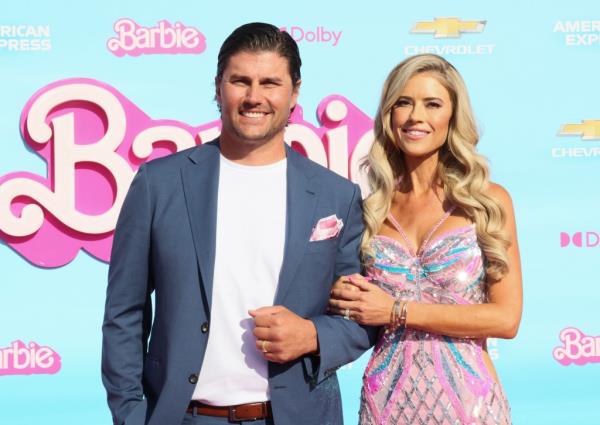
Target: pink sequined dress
{"points": [[417, 377]]}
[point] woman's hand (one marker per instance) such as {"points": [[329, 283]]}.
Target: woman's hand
{"points": [[357, 299]]}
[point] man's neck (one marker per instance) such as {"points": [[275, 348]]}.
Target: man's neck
{"points": [[252, 154]]}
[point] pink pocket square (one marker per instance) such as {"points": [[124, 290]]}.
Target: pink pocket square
{"points": [[326, 228]]}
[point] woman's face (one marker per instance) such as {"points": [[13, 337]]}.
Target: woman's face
{"points": [[421, 116]]}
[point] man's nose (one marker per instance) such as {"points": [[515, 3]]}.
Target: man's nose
{"points": [[253, 94]]}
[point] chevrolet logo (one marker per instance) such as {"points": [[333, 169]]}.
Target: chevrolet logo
{"points": [[588, 129], [448, 27]]}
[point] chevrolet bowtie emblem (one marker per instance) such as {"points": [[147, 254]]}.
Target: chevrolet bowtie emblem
{"points": [[448, 27], [588, 129]]}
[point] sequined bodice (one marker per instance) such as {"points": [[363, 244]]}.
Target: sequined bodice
{"points": [[448, 270], [421, 377]]}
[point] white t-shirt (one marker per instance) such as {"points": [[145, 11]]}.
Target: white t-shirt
{"points": [[251, 220]]}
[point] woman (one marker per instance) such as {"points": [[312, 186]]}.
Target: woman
{"points": [[441, 255]]}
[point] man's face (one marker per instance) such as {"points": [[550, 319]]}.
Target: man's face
{"points": [[256, 95]]}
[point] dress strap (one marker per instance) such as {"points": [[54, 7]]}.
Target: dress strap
{"points": [[437, 226], [400, 230], [410, 246]]}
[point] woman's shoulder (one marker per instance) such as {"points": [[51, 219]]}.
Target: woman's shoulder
{"points": [[499, 193]]}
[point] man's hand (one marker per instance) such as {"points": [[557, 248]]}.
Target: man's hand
{"points": [[345, 282], [281, 335]]}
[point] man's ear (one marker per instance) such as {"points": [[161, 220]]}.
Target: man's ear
{"points": [[218, 91], [295, 93]]}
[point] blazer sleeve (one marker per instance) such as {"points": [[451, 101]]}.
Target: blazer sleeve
{"points": [[128, 310], [342, 341]]}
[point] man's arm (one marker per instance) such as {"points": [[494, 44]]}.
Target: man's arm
{"points": [[128, 310], [329, 341], [341, 341]]}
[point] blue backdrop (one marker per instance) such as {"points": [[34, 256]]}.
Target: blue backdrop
{"points": [[531, 70]]}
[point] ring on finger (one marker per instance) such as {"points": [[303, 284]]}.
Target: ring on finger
{"points": [[347, 314], [263, 346]]}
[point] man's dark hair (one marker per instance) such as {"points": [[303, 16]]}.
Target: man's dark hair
{"points": [[257, 37]]}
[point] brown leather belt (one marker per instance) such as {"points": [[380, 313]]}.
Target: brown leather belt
{"points": [[240, 412]]}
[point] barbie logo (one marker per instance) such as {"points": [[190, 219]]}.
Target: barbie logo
{"points": [[577, 348], [93, 140], [26, 359], [133, 39]]}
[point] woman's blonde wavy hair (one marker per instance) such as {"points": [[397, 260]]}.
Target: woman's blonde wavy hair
{"points": [[463, 172]]}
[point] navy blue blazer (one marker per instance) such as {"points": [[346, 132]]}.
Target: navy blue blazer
{"points": [[165, 243]]}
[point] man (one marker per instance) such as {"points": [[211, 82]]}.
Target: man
{"points": [[240, 239]]}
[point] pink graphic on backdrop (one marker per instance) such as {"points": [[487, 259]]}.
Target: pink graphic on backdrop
{"points": [[93, 139], [164, 38], [577, 348], [580, 239], [319, 34], [27, 359]]}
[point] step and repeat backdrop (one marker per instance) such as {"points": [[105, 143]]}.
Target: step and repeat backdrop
{"points": [[91, 90]]}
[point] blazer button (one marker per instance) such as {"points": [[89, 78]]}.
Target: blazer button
{"points": [[204, 327], [193, 378]]}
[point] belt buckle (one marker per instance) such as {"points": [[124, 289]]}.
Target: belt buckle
{"points": [[233, 417]]}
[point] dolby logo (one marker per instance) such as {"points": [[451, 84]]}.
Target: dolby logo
{"points": [[579, 239]]}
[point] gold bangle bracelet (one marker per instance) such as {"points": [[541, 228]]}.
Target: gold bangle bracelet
{"points": [[403, 315], [394, 315]]}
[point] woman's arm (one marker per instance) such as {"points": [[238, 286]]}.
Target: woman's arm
{"points": [[499, 317]]}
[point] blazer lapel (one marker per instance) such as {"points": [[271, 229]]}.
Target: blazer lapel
{"points": [[301, 203], [200, 179]]}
